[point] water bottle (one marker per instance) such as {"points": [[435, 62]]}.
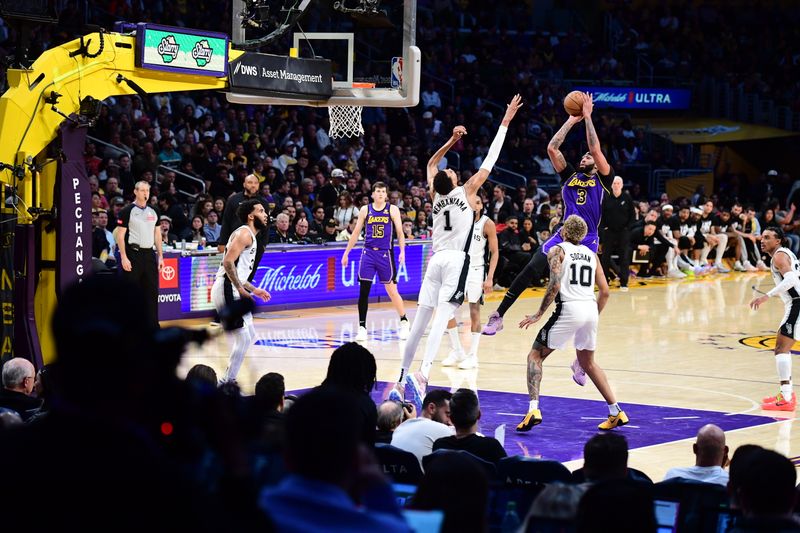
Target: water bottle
{"points": [[511, 521]]}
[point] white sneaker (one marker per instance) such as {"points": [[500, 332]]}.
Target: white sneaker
{"points": [[403, 330], [623, 289], [749, 267], [761, 266], [362, 334], [675, 273], [738, 267], [455, 357], [469, 363], [722, 269]]}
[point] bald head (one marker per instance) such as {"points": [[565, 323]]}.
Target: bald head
{"points": [[18, 375], [710, 447], [390, 414], [251, 184]]}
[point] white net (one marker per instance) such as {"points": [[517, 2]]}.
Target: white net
{"points": [[345, 121]]}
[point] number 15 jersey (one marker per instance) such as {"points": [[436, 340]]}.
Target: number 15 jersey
{"points": [[577, 273], [452, 221]]}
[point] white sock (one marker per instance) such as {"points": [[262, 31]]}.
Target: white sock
{"points": [[786, 391], [455, 342], [418, 326], [533, 404], [704, 254], [443, 313], [723, 243], [613, 409], [473, 347], [783, 361], [242, 338]]}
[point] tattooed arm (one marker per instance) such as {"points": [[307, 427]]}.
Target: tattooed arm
{"points": [[556, 157], [603, 168], [235, 248], [555, 257]]}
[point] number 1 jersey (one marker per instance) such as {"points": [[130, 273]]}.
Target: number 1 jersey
{"points": [[452, 221]]}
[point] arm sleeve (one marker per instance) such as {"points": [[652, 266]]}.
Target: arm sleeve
{"points": [[494, 149], [790, 281], [607, 179]]}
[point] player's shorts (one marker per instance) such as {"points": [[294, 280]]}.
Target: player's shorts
{"points": [[377, 262], [445, 279], [591, 240], [223, 294], [574, 320], [791, 321], [474, 287]]}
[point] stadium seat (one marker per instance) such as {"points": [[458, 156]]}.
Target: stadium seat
{"points": [[400, 465], [489, 468], [519, 470]]}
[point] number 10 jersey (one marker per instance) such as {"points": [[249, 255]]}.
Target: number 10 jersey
{"points": [[577, 273]]}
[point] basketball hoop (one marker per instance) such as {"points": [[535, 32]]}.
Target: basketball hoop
{"points": [[345, 121]]}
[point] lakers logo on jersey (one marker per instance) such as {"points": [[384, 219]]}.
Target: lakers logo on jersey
{"points": [[577, 182]]}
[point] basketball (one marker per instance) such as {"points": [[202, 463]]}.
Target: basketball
{"points": [[573, 103]]}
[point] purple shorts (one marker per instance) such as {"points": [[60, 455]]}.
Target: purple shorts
{"points": [[380, 262], [590, 241]]}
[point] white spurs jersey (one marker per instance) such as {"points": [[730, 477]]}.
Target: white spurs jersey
{"points": [[477, 247], [777, 277], [453, 219], [247, 259], [577, 273]]}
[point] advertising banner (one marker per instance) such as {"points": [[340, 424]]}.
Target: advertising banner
{"points": [[639, 97], [181, 50], [312, 277], [283, 76]]}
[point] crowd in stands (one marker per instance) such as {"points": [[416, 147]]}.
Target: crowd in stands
{"points": [[326, 459]]}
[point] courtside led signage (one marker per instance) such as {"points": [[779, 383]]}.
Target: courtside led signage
{"points": [[181, 50]]}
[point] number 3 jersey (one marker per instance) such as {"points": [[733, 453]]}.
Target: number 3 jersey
{"points": [[577, 273], [452, 221], [378, 228]]}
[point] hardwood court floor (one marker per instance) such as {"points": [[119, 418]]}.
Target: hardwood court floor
{"points": [[678, 354]]}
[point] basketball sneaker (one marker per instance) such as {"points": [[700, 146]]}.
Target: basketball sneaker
{"points": [[722, 269], [578, 373], [397, 392], [614, 421], [403, 330], [675, 273], [738, 266], [469, 363], [773, 399], [361, 336], [418, 384], [533, 418], [781, 404], [454, 358], [494, 324]]}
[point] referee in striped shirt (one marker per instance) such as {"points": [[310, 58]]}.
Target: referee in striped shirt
{"points": [[139, 244]]}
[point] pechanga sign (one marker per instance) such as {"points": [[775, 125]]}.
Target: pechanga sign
{"points": [[639, 97], [181, 50], [302, 277]]}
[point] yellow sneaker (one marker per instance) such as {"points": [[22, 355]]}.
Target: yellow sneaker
{"points": [[613, 421], [533, 418]]}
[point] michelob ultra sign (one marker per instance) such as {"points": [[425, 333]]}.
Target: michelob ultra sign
{"points": [[639, 97], [181, 50]]}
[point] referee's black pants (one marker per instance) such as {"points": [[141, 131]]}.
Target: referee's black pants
{"points": [[617, 242], [144, 273]]}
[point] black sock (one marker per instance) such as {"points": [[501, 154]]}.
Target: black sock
{"points": [[403, 318], [363, 302], [532, 271]]}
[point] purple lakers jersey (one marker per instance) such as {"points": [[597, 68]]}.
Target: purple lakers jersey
{"points": [[583, 196], [378, 228]]}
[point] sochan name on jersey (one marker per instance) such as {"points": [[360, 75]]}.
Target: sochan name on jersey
{"points": [[452, 200]]}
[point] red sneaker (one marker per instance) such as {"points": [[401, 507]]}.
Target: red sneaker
{"points": [[781, 404]]}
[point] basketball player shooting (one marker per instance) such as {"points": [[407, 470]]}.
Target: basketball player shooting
{"points": [[444, 283], [582, 193]]}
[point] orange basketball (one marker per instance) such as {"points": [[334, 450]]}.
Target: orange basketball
{"points": [[573, 103]]}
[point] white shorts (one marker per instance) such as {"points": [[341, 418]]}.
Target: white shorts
{"points": [[445, 279], [220, 300], [475, 279], [571, 321], [791, 321]]}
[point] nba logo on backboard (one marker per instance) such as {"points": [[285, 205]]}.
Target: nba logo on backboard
{"points": [[397, 72]]}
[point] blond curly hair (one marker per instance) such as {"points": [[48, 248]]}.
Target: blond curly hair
{"points": [[574, 229]]}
